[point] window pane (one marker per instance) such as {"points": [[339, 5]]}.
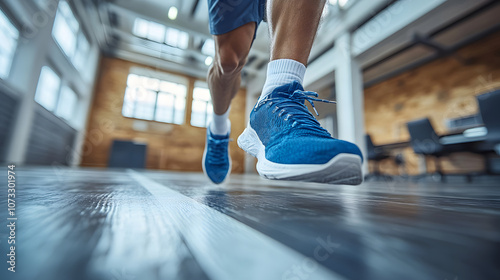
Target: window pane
{"points": [[133, 81], [208, 48], [82, 52], [202, 105], [180, 90], [156, 32], [180, 106], [183, 40], [66, 12], [69, 36], [144, 93], [198, 115], [201, 94], [8, 39], [165, 108], [210, 111], [145, 104], [176, 38], [63, 34], [129, 103], [47, 89], [67, 103], [150, 83], [140, 27], [167, 86]]}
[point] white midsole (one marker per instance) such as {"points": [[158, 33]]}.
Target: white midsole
{"points": [[250, 142]]}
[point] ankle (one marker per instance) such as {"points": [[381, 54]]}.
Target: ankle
{"points": [[281, 72], [220, 124]]}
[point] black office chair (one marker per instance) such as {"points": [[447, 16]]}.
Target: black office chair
{"points": [[375, 154], [489, 107], [425, 141]]}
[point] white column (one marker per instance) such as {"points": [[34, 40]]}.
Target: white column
{"points": [[349, 88], [29, 59]]}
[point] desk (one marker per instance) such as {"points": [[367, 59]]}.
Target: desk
{"points": [[395, 145], [470, 135]]}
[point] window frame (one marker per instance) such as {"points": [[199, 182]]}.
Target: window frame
{"points": [[59, 95], [56, 94], [204, 85], [147, 24], [16, 26], [161, 77], [80, 32], [62, 84]]}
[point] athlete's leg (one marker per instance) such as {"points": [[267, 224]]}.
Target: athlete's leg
{"points": [[224, 76], [233, 24], [293, 25]]}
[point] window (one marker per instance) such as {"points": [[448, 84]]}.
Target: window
{"points": [[61, 100], [154, 99], [202, 105], [160, 33], [208, 47], [140, 28], [156, 32], [66, 104], [8, 36], [176, 38], [48, 88], [69, 36], [81, 56]]}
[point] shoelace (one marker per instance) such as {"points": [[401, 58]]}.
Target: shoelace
{"points": [[300, 114], [217, 150]]}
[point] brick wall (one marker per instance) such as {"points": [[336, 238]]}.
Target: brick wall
{"points": [[443, 89], [170, 146]]}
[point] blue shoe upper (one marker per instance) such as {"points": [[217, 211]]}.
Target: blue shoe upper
{"points": [[216, 162], [290, 133]]}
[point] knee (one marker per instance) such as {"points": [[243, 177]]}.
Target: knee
{"points": [[231, 62]]}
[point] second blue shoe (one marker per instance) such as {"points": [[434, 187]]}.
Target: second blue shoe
{"points": [[216, 160]]}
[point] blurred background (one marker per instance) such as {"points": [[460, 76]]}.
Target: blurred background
{"points": [[121, 83], [104, 104]]}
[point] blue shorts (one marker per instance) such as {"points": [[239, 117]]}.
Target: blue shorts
{"points": [[227, 15]]}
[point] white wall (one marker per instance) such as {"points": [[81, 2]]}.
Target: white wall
{"points": [[37, 48]]}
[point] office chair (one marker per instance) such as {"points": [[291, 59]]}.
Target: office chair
{"points": [[425, 141], [489, 108], [375, 154]]}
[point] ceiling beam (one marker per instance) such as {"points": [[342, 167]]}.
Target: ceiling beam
{"points": [[194, 8], [130, 8], [345, 22], [161, 64]]}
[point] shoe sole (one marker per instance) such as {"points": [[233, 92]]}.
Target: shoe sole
{"points": [[342, 169]]}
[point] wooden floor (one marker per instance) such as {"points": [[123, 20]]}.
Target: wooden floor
{"points": [[123, 225]]}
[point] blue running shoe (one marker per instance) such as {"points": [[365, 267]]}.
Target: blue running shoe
{"points": [[216, 160], [290, 144]]}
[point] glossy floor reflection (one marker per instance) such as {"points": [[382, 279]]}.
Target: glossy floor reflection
{"points": [[123, 224]]}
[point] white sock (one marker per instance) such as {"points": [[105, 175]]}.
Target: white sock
{"points": [[220, 124], [281, 72]]}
